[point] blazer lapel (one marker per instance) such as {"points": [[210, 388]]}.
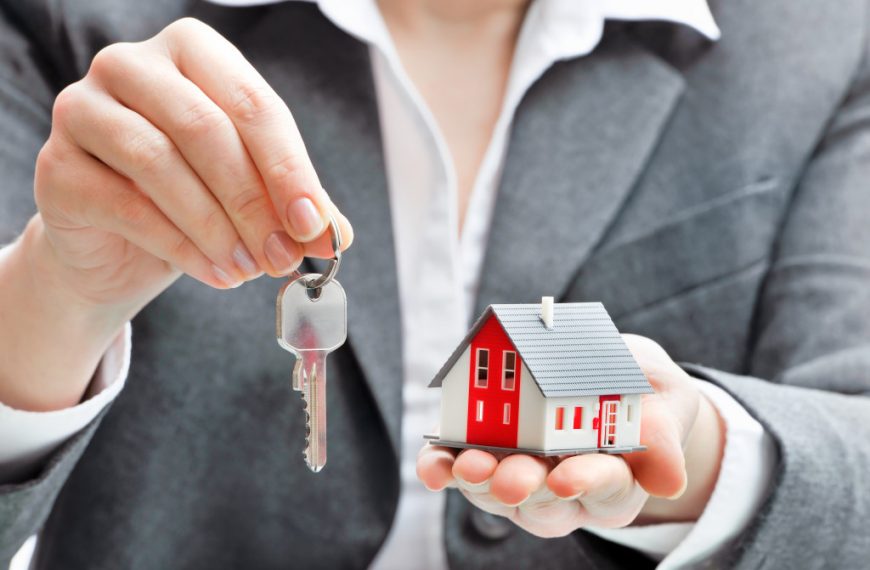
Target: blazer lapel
{"points": [[580, 138], [329, 89]]}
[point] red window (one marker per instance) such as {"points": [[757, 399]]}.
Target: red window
{"points": [[479, 411], [482, 379], [509, 370], [507, 414], [560, 418], [578, 417]]}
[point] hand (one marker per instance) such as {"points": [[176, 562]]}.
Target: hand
{"points": [[556, 496], [174, 155], [170, 156]]}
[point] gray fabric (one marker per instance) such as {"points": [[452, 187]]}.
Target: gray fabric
{"points": [[581, 355], [713, 197]]}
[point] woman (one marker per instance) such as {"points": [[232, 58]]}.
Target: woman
{"points": [[711, 192]]}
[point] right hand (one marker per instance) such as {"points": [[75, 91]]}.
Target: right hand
{"points": [[174, 156], [171, 156]]}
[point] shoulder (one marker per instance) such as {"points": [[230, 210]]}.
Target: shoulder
{"points": [[66, 35], [796, 48], [70, 33], [788, 27]]}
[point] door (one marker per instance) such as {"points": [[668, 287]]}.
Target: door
{"points": [[608, 420]]}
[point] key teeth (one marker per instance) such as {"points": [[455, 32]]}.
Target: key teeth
{"points": [[306, 452], [306, 405]]}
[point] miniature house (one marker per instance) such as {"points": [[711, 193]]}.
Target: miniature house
{"points": [[543, 378]]}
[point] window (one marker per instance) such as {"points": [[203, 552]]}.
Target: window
{"points": [[479, 412], [507, 414], [482, 378], [628, 413], [560, 418], [578, 417], [509, 370]]}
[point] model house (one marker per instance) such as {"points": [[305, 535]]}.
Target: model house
{"points": [[546, 379]]}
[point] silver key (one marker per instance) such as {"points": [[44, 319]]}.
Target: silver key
{"points": [[312, 323]]}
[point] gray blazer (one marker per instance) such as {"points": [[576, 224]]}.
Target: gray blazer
{"points": [[714, 196]]}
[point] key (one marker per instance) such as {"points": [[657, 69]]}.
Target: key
{"points": [[312, 323]]}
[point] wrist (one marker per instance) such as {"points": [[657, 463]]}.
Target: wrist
{"points": [[51, 340], [48, 279]]}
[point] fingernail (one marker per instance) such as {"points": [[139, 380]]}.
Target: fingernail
{"points": [[224, 277], [245, 261], [515, 504], [482, 487], [305, 219], [682, 490], [281, 253]]}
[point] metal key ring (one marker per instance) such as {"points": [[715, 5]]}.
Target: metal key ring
{"points": [[328, 275]]}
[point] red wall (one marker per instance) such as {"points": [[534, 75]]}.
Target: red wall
{"points": [[492, 431]]}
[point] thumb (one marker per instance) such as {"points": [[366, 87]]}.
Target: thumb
{"points": [[661, 469]]}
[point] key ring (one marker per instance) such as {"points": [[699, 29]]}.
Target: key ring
{"points": [[324, 278]]}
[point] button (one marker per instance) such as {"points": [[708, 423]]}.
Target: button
{"points": [[492, 527]]}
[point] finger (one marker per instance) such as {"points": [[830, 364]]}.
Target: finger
{"points": [[129, 144], [603, 484], [667, 378], [654, 362], [474, 467], [596, 477], [263, 120], [489, 504], [672, 384], [205, 136], [434, 467], [645, 348], [322, 247], [114, 205], [548, 516], [517, 477], [661, 469]]}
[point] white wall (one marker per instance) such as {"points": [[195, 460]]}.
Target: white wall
{"points": [[454, 400], [532, 406], [627, 432], [569, 438]]}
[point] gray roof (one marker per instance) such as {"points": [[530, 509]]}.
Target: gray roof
{"points": [[582, 355]]}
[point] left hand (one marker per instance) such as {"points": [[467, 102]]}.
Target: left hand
{"points": [[551, 497]]}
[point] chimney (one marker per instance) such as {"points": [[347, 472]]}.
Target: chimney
{"points": [[547, 311]]}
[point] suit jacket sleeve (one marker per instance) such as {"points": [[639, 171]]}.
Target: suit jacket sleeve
{"points": [[812, 347], [29, 59]]}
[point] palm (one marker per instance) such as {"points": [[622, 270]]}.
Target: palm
{"points": [[613, 497]]}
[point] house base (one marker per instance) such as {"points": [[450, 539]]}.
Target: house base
{"points": [[434, 440]]}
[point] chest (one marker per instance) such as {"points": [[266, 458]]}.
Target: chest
{"points": [[456, 84]]}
